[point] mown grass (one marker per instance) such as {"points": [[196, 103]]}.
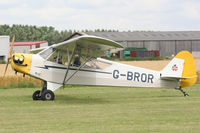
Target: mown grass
{"points": [[89, 109]]}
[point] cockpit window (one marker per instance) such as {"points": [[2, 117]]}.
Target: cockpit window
{"points": [[57, 56], [78, 59]]}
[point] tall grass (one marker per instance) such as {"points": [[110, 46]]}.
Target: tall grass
{"points": [[198, 77], [2, 62], [19, 82]]}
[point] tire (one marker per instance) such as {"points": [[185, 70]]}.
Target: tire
{"points": [[186, 95], [37, 95], [47, 95]]}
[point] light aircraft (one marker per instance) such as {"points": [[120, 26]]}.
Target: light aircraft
{"points": [[76, 61]]}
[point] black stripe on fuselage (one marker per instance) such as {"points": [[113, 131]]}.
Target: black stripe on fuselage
{"points": [[56, 67]]}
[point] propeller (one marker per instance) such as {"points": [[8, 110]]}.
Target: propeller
{"points": [[10, 54]]}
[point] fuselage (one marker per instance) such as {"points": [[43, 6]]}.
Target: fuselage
{"points": [[114, 74]]}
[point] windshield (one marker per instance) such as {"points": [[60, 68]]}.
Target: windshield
{"points": [[63, 57], [46, 53]]}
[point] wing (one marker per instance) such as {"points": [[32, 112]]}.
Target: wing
{"points": [[88, 45], [37, 50], [78, 51]]}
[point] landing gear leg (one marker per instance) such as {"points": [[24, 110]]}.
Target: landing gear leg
{"points": [[44, 94], [44, 87], [180, 89], [184, 93]]}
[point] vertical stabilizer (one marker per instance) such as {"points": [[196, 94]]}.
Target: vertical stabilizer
{"points": [[174, 69], [182, 67]]}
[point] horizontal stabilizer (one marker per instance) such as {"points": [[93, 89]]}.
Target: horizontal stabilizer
{"points": [[175, 78]]}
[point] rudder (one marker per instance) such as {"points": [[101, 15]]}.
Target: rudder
{"points": [[189, 69]]}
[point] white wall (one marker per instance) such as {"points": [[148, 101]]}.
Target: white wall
{"points": [[26, 49], [4, 46], [196, 54], [43, 44], [21, 49]]}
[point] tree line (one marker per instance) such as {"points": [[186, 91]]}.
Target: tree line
{"points": [[43, 33]]}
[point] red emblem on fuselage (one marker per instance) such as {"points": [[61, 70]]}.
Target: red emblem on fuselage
{"points": [[174, 68]]}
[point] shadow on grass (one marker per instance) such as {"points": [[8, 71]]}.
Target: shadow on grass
{"points": [[79, 100], [66, 99]]}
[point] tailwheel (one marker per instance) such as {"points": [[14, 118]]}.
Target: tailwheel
{"points": [[37, 95], [184, 93], [47, 95]]}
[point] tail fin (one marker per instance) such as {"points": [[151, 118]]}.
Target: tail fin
{"points": [[181, 67]]}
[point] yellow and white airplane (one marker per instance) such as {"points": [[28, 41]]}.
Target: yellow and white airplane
{"points": [[76, 61]]}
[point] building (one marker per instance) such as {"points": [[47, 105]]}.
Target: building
{"points": [[25, 47], [4, 47], [169, 43]]}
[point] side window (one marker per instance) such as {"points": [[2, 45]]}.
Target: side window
{"points": [[76, 61], [62, 57], [56, 57]]}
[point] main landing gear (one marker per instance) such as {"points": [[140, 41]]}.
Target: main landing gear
{"points": [[44, 94]]}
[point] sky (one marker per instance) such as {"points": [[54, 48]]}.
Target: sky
{"points": [[122, 15]]}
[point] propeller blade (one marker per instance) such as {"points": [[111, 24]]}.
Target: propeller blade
{"points": [[11, 47], [9, 54], [6, 67]]}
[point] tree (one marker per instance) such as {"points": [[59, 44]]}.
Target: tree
{"points": [[43, 33]]}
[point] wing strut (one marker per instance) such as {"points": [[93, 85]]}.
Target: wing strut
{"points": [[86, 60], [77, 70], [69, 64]]}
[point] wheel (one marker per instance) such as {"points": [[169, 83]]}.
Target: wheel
{"points": [[186, 95], [47, 95], [37, 95]]}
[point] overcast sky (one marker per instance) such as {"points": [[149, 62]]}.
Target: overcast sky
{"points": [[123, 15]]}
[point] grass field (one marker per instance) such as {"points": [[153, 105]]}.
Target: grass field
{"points": [[83, 109]]}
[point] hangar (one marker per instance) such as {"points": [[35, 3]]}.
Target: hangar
{"points": [[25, 47], [167, 42], [19, 47]]}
